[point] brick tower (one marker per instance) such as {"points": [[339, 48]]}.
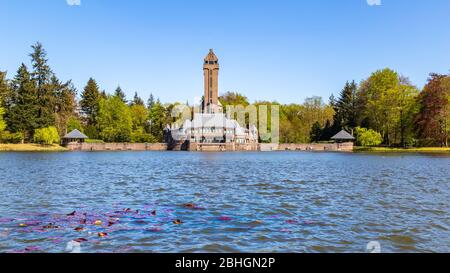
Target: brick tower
{"points": [[211, 74]]}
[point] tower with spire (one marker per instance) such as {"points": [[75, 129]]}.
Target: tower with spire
{"points": [[211, 102], [210, 129]]}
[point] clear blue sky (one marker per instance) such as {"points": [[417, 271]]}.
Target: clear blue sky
{"points": [[271, 50]]}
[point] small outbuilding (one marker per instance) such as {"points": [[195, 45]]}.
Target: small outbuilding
{"points": [[343, 136], [74, 136]]}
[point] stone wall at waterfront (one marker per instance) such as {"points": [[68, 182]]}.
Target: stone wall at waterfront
{"points": [[234, 147], [216, 147], [117, 146], [222, 147], [318, 147]]}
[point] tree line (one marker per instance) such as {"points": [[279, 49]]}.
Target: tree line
{"points": [[384, 109], [35, 106], [392, 110]]}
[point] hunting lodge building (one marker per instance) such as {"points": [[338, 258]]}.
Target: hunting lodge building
{"points": [[210, 129]]}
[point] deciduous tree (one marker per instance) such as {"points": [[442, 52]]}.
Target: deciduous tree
{"points": [[157, 119], [432, 121], [4, 89], [296, 121], [74, 123], [64, 105], [387, 97], [139, 116], [2, 121], [114, 120], [233, 98]]}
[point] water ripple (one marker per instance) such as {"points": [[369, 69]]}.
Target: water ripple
{"points": [[242, 202]]}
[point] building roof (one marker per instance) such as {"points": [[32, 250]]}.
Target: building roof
{"points": [[343, 135], [212, 120], [75, 134], [211, 56]]}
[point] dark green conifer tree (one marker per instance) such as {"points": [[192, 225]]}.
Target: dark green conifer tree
{"points": [[137, 100], [316, 132], [120, 94], [42, 75], [90, 99], [23, 112], [150, 102]]}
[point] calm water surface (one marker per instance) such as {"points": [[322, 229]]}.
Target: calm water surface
{"points": [[244, 202]]}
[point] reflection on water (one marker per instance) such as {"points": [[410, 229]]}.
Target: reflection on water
{"points": [[244, 202]]}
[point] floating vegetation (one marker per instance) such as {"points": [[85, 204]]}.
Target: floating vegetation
{"points": [[189, 206], [87, 230], [102, 234], [51, 226], [79, 229]]}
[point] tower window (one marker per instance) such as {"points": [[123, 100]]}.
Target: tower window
{"points": [[211, 62]]}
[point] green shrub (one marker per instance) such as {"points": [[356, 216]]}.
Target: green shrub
{"points": [[74, 123], [139, 136], [13, 138], [368, 137], [2, 122], [47, 135], [91, 131], [114, 120]]}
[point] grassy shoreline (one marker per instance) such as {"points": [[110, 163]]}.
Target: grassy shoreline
{"points": [[402, 150], [28, 147]]}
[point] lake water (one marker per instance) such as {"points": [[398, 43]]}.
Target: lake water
{"points": [[243, 202]]}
